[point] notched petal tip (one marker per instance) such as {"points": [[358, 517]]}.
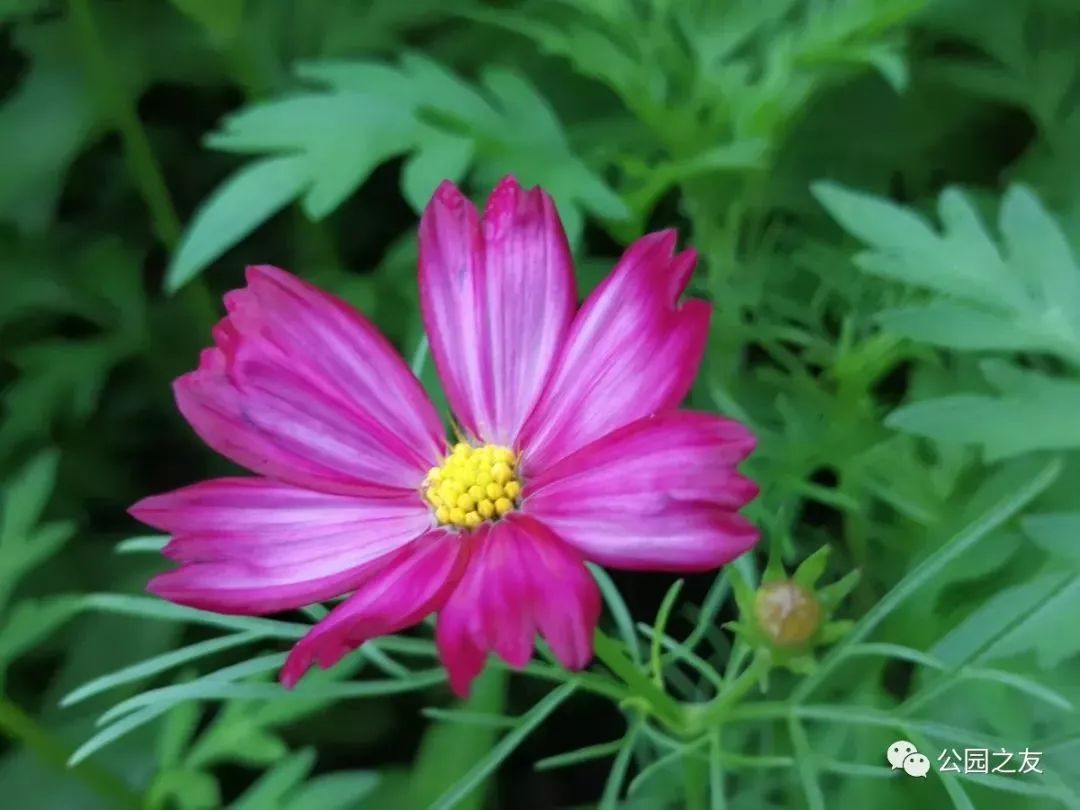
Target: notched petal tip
{"points": [[448, 195], [681, 269], [511, 208]]}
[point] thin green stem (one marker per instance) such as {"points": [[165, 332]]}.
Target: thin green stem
{"points": [[716, 711], [658, 702], [695, 783], [658, 633], [22, 729], [119, 105]]}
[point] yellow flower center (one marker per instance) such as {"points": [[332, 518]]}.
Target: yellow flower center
{"points": [[474, 484]]}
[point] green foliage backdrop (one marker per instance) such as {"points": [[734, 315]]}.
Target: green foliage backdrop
{"points": [[886, 198]]}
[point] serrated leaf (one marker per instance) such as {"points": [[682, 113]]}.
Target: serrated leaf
{"points": [[1034, 241], [443, 157], [956, 325], [1033, 412], [1023, 296], [326, 142]]}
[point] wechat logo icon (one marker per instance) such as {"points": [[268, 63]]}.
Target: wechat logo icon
{"points": [[902, 754]]}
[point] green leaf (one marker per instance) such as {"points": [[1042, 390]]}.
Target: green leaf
{"points": [[159, 663], [994, 627], [190, 789], [1031, 412], [443, 157], [1035, 242], [1022, 296], [470, 718], [1048, 628], [1019, 484], [335, 791], [710, 606], [221, 685], [23, 545], [667, 604], [25, 497], [220, 18], [956, 325], [811, 569], [617, 775], [148, 608], [31, 621], [43, 124], [235, 209], [586, 754], [208, 685], [1058, 534], [117, 730], [270, 790], [447, 751], [324, 143], [177, 731], [150, 542], [491, 761], [619, 611]]}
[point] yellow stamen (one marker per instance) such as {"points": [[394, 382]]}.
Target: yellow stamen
{"points": [[473, 485]]}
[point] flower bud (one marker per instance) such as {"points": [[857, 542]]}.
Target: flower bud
{"points": [[788, 613]]}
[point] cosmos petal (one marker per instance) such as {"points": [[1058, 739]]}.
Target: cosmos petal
{"points": [[303, 389], [660, 494], [497, 296], [398, 595], [633, 350], [251, 546], [521, 580]]}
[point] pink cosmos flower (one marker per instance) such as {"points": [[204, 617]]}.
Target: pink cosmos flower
{"points": [[573, 449]]}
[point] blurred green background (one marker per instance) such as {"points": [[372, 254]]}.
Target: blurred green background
{"points": [[886, 198]]}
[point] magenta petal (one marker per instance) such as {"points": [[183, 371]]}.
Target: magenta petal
{"points": [[303, 389], [497, 296], [251, 545], [521, 580], [400, 594], [660, 493], [632, 350]]}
